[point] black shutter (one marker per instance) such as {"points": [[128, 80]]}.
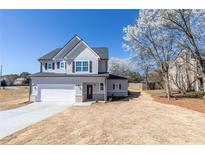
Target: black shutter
{"points": [[113, 86], [120, 86], [46, 66], [53, 66], [91, 67], [73, 70]]}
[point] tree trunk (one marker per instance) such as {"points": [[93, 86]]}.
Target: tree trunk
{"points": [[146, 80], [167, 86]]}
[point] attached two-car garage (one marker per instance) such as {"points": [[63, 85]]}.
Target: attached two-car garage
{"points": [[57, 93]]}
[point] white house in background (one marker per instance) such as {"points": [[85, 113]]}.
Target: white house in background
{"points": [[185, 72], [76, 73]]}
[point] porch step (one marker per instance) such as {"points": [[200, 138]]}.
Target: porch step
{"points": [[83, 103]]}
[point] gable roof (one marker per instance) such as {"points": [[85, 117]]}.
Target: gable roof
{"points": [[101, 52], [73, 42], [60, 53], [50, 55]]}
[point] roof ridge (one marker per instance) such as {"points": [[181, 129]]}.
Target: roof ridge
{"points": [[67, 43]]}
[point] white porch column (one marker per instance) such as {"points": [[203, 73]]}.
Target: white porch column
{"points": [[105, 90]]}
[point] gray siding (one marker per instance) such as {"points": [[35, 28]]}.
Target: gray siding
{"points": [[102, 65], [80, 52], [117, 92], [79, 82]]}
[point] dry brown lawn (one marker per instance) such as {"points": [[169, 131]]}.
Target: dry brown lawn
{"points": [[13, 98], [140, 120], [190, 101]]}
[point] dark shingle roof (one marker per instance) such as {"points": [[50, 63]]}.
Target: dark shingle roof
{"points": [[46, 74], [101, 52], [60, 53], [50, 55], [111, 76]]}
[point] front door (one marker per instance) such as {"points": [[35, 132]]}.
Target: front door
{"points": [[89, 91]]}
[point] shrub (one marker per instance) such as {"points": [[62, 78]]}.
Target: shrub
{"points": [[3, 83]]}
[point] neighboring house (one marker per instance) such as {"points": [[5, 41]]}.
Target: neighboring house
{"points": [[76, 73], [19, 81], [185, 74], [9, 79]]}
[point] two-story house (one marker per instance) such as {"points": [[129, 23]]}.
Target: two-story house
{"points": [[185, 74], [76, 73]]}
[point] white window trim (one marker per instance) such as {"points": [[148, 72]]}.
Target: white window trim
{"points": [[81, 72]]}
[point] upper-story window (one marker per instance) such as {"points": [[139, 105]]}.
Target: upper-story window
{"points": [[81, 66], [62, 65], [49, 66]]}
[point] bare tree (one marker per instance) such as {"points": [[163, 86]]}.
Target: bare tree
{"points": [[183, 72], [145, 65], [147, 38], [125, 68], [188, 27]]}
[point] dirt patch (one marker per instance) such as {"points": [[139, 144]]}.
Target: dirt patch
{"points": [[135, 121], [189, 102], [13, 98]]}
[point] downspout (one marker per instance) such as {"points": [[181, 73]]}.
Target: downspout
{"points": [[30, 90]]}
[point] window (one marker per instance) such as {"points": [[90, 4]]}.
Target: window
{"points": [[78, 66], [62, 65], [81, 66], [113, 86], [49, 66], [58, 65], [85, 66], [117, 86], [101, 86]]}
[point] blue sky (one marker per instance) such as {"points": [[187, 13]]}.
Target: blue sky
{"points": [[25, 35]]}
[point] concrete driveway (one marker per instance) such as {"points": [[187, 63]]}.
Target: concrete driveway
{"points": [[19, 118]]}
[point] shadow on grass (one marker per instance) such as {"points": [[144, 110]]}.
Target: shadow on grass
{"points": [[177, 95], [132, 95]]}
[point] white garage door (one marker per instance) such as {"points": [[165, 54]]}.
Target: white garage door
{"points": [[57, 93]]}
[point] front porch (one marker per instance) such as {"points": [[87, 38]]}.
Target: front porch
{"points": [[93, 91]]}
